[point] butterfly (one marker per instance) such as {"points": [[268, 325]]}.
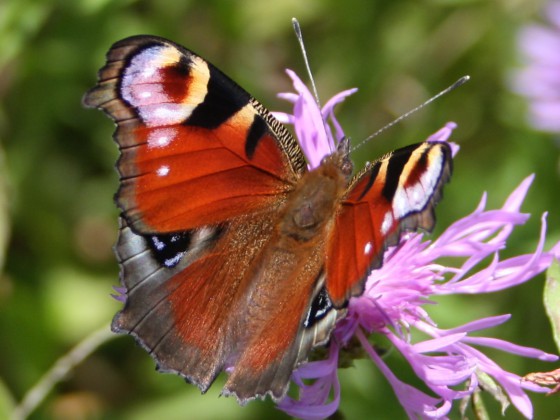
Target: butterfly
{"points": [[235, 257]]}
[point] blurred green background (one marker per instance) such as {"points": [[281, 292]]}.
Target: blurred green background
{"points": [[57, 179]]}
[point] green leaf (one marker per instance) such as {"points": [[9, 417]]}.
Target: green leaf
{"points": [[552, 299]]}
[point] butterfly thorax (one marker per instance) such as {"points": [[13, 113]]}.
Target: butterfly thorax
{"points": [[315, 199]]}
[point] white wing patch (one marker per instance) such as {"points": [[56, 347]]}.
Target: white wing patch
{"points": [[161, 137], [388, 220], [163, 170]]}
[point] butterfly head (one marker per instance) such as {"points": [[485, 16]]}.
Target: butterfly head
{"points": [[341, 158]]}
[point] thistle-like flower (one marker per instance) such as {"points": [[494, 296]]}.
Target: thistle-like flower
{"points": [[451, 362], [539, 79]]}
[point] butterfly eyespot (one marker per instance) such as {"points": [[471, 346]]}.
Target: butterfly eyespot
{"points": [[169, 249]]}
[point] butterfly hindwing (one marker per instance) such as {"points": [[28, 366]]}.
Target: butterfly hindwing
{"points": [[178, 312], [396, 193], [196, 149]]}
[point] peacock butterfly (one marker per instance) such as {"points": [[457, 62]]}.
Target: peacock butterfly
{"points": [[234, 256]]}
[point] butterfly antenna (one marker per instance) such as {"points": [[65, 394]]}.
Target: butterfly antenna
{"points": [[299, 36], [454, 86]]}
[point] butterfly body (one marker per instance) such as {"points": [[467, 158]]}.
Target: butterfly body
{"points": [[234, 256]]}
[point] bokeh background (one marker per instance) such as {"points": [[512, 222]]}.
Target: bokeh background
{"points": [[58, 221]]}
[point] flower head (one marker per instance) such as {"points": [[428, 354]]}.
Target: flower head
{"points": [[539, 80], [451, 362]]}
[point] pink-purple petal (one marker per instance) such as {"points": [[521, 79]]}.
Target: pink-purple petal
{"points": [[512, 348], [443, 133], [328, 111], [309, 124], [438, 343], [283, 117], [538, 80], [415, 402], [537, 42], [553, 12], [480, 324], [121, 293], [515, 200], [314, 401]]}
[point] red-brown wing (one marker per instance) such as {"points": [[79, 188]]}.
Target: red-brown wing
{"points": [[396, 193], [196, 149], [182, 291]]}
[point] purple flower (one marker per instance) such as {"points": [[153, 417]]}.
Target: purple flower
{"points": [[120, 295], [450, 362], [539, 80]]}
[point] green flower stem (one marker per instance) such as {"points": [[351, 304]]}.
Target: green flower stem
{"points": [[60, 369]]}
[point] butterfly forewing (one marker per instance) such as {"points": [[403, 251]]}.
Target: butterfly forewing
{"points": [[396, 193], [196, 149]]}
